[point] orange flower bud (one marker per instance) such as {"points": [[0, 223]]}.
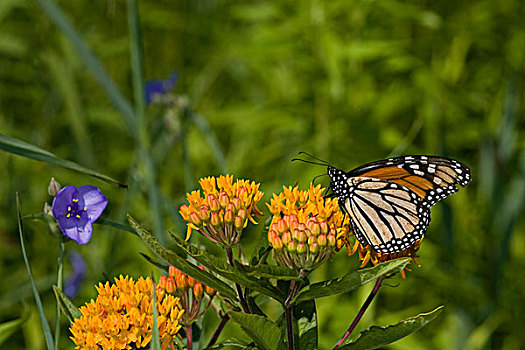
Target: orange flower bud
{"points": [[213, 203], [291, 246], [236, 202], [311, 239], [198, 290], [204, 213], [210, 291], [331, 240], [313, 226], [215, 219], [314, 247], [286, 237], [321, 240], [228, 216], [195, 219], [299, 235], [243, 214], [170, 285], [301, 248], [324, 227], [238, 223], [182, 282], [191, 281], [172, 270], [184, 211], [281, 225], [271, 233], [162, 281], [277, 243], [224, 199]]}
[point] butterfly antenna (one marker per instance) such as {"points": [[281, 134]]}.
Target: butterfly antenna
{"points": [[308, 161], [313, 157], [318, 176]]}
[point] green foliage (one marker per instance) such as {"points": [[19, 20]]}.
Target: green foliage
{"points": [[264, 333], [66, 305]]}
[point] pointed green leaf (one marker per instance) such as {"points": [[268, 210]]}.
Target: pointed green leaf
{"points": [[306, 315], [237, 273], [264, 332], [350, 281], [27, 150], [66, 305], [43, 319], [181, 263], [376, 337], [10, 327]]}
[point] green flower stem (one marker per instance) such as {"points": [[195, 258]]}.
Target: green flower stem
{"points": [[361, 312], [240, 294], [224, 319], [59, 285]]}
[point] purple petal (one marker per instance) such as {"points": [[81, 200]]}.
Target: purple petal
{"points": [[78, 230], [94, 201], [63, 200]]}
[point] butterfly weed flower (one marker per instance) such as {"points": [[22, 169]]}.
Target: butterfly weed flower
{"points": [[76, 209], [223, 210], [121, 317], [305, 227]]}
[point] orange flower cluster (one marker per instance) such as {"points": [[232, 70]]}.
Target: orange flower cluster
{"points": [[305, 227], [223, 210], [189, 291], [121, 317]]}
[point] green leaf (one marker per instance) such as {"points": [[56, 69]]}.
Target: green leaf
{"points": [[28, 150], [181, 263], [376, 337], [270, 271], [45, 324], [350, 281], [305, 315], [10, 327], [237, 273], [264, 332], [66, 305], [155, 262]]}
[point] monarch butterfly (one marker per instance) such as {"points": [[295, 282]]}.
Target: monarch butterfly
{"points": [[389, 200]]}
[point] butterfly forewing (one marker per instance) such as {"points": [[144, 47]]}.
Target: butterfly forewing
{"points": [[389, 200]]}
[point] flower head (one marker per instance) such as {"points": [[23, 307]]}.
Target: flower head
{"points": [[223, 210], [121, 317], [76, 209], [158, 87], [304, 227], [190, 292]]}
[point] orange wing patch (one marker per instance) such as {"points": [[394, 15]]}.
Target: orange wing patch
{"points": [[401, 177]]}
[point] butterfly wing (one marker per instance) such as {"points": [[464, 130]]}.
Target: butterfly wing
{"points": [[385, 215], [431, 178]]}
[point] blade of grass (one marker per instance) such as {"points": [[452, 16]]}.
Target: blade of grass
{"points": [[45, 324], [155, 339], [59, 285], [24, 149], [203, 125], [91, 62]]}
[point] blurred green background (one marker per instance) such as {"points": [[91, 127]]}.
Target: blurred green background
{"points": [[259, 81]]}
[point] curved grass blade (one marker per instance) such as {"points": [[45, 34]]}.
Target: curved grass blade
{"points": [[24, 149], [10, 327], [376, 337], [350, 281], [181, 263], [66, 305], [265, 333], [45, 324]]}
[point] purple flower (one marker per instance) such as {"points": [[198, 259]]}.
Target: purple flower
{"points": [[77, 209], [158, 87], [76, 276]]}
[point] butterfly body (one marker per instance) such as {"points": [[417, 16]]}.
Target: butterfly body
{"points": [[389, 201]]}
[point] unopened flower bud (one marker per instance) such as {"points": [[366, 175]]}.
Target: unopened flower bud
{"points": [[313, 226], [195, 219], [162, 282], [198, 290], [213, 203], [301, 248], [321, 240], [314, 247], [215, 219], [48, 209], [238, 223], [281, 225], [271, 233], [311, 239], [54, 187], [291, 246], [170, 285], [277, 243], [224, 199], [228, 216], [236, 202], [184, 211], [243, 214], [171, 270], [191, 281], [204, 213], [182, 282], [299, 235], [286, 237], [331, 240], [210, 291]]}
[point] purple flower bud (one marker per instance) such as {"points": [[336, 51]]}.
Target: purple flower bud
{"points": [[77, 209]]}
